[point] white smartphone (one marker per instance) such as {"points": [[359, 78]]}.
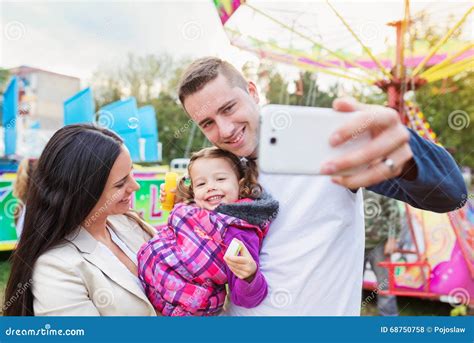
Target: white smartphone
{"points": [[295, 139]]}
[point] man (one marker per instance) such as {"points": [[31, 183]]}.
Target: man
{"points": [[312, 256], [382, 228]]}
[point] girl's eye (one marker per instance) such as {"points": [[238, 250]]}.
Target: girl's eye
{"points": [[221, 179], [120, 185], [200, 184]]}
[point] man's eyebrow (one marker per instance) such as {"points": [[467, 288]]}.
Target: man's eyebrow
{"points": [[201, 123], [227, 103], [220, 109]]}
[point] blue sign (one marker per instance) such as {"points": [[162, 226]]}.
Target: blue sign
{"points": [[148, 130], [122, 117], [10, 113], [79, 108]]}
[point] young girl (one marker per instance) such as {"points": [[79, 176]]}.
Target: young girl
{"points": [[183, 268]]}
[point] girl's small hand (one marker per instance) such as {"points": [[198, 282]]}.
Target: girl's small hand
{"points": [[243, 266]]}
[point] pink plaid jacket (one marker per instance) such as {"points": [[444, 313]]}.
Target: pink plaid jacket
{"points": [[182, 267]]}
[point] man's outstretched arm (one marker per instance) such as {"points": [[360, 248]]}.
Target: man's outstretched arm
{"points": [[431, 180], [402, 165]]}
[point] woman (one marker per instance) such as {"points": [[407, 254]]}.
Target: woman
{"points": [[77, 252]]}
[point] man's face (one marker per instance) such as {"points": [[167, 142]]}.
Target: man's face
{"points": [[227, 115]]}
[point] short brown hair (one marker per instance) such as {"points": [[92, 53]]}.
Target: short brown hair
{"points": [[245, 170], [203, 71]]}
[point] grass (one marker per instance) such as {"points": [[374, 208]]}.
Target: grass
{"points": [[4, 273], [409, 306]]}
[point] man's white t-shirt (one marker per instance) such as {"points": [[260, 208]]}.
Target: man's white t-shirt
{"points": [[312, 257]]}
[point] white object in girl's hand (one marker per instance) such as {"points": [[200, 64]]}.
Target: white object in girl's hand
{"points": [[233, 248]]}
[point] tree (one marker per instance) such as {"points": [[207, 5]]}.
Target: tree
{"points": [[145, 75], [140, 76], [307, 92], [107, 87], [152, 79], [446, 104], [174, 128], [4, 76], [451, 115]]}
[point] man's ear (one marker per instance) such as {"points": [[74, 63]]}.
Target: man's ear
{"points": [[252, 89]]}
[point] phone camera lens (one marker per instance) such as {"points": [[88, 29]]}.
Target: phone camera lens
{"points": [[273, 140]]}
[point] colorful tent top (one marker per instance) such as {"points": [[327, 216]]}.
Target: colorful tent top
{"points": [[308, 61], [292, 43], [225, 8]]}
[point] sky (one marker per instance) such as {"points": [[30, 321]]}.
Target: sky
{"points": [[78, 37]]}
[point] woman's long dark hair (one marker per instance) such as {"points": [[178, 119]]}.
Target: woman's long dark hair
{"points": [[69, 179]]}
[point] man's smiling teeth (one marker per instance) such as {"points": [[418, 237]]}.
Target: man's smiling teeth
{"points": [[238, 137], [215, 197]]}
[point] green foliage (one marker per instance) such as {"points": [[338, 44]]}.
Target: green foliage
{"points": [[311, 94], [449, 109], [277, 89], [4, 76], [175, 128], [141, 77]]}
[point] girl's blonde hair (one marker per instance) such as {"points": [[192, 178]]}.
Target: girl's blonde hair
{"points": [[21, 185], [245, 169]]}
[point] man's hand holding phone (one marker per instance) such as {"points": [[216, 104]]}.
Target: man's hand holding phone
{"points": [[387, 154]]}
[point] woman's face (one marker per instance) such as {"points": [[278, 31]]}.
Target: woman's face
{"points": [[120, 185]]}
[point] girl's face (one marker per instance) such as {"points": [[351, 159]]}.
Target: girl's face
{"points": [[120, 185], [214, 182]]}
